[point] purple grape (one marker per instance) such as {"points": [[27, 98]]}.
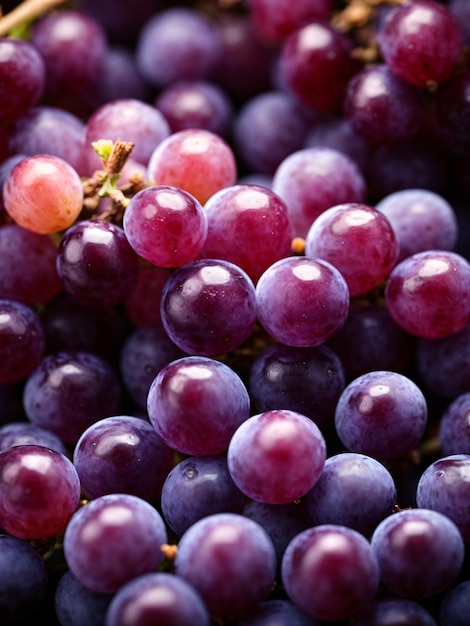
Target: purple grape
{"points": [[196, 104], [113, 539], [420, 552], [283, 612], [21, 341], [382, 414], [196, 487], [315, 65], [394, 611], [22, 78], [29, 474], [142, 305], [306, 380], [230, 561], [122, 454], [454, 431], [282, 522], [157, 598], [50, 130], [128, 119], [28, 271], [76, 605], [431, 31], [165, 225], [358, 240], [370, 339], [330, 572], [312, 180], [452, 111], [146, 350], [428, 293], [422, 220], [382, 107], [196, 403], [353, 490], [461, 10], [310, 308], [247, 225], [456, 605], [178, 43], [444, 486], [22, 433], [23, 579], [276, 456], [208, 307], [70, 390], [267, 128]]}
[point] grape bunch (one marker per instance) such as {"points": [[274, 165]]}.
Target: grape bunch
{"points": [[235, 313]]}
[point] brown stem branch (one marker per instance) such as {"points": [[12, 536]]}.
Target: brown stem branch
{"points": [[27, 10]]}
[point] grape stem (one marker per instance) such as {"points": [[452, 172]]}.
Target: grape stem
{"points": [[27, 11]]}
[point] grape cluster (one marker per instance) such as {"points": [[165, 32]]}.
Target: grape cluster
{"points": [[235, 313]]}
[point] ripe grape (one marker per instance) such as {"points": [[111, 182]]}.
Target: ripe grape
{"points": [[386, 611], [22, 433], [455, 605], [454, 434], [76, 605]]}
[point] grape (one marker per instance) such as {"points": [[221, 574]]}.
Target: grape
{"points": [[419, 551], [142, 305], [454, 432], [452, 110], [196, 403], [358, 240], [422, 220], [283, 612], [22, 78], [196, 104], [165, 225], [70, 390], [428, 293], [208, 307], [382, 107], [394, 611], [23, 579], [311, 307], [330, 572], [455, 605], [113, 539], [230, 560], [443, 487], [276, 456], [460, 9], [306, 380], [247, 225], [96, 264], [130, 120], [431, 31], [196, 487], [157, 598], [43, 193], [315, 65], [196, 160], [122, 454], [312, 180], [22, 341], [29, 475], [353, 490], [22, 433], [76, 605], [381, 414], [146, 350]]}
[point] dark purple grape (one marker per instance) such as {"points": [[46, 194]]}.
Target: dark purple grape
{"points": [[196, 403], [452, 113], [208, 307], [21, 341], [230, 560], [461, 10], [22, 78], [112, 539], [142, 305], [456, 605], [420, 552], [196, 487], [23, 579], [342, 559], [454, 426], [76, 605], [122, 454], [39, 491], [70, 390], [394, 612], [157, 598], [22, 433], [283, 611]]}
